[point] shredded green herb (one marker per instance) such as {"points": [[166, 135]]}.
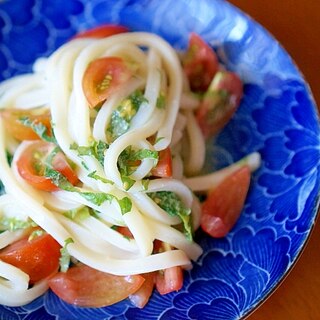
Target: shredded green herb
{"points": [[9, 157], [129, 160], [39, 128], [159, 139], [36, 233], [94, 175], [145, 184], [121, 117], [13, 224], [79, 214], [125, 204], [64, 260], [97, 198], [127, 182], [172, 204], [51, 156], [161, 101], [96, 149]]}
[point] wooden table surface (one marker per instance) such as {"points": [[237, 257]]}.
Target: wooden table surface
{"points": [[296, 24]]}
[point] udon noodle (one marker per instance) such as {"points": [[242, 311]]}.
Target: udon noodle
{"points": [[55, 84]]}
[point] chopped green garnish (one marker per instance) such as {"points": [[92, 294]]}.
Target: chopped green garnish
{"points": [[53, 153], [93, 175], [96, 149], [65, 256], [125, 205], [39, 128], [172, 204], [13, 224], [36, 233], [79, 214], [143, 154], [129, 160], [9, 157], [161, 101], [159, 139], [58, 179], [127, 182], [145, 184], [121, 117], [100, 149], [84, 165], [97, 198]]}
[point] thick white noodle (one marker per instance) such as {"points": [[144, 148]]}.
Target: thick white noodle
{"points": [[14, 278], [211, 180], [14, 88], [197, 148], [189, 101], [104, 114], [8, 237], [166, 115], [47, 220], [150, 209], [172, 236]]}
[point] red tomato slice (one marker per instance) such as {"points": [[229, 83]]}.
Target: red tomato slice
{"points": [[39, 258], [169, 280], [223, 206], [13, 125], [220, 102], [30, 166], [164, 165], [125, 231], [102, 31], [86, 287], [141, 297], [102, 77], [200, 63]]}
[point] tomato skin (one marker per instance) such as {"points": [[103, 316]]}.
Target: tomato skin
{"points": [[223, 206], [220, 102], [39, 258], [163, 168], [125, 231], [14, 126], [86, 287], [169, 280], [200, 63], [102, 77], [102, 31], [141, 297], [27, 161]]}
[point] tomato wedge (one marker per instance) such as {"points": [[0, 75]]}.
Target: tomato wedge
{"points": [[31, 166], [220, 102], [141, 297], [102, 77], [163, 168], [125, 231], [223, 206], [102, 31], [169, 280], [200, 63], [39, 258], [14, 125], [86, 287]]}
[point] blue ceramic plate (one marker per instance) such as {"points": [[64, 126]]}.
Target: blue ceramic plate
{"points": [[277, 117]]}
